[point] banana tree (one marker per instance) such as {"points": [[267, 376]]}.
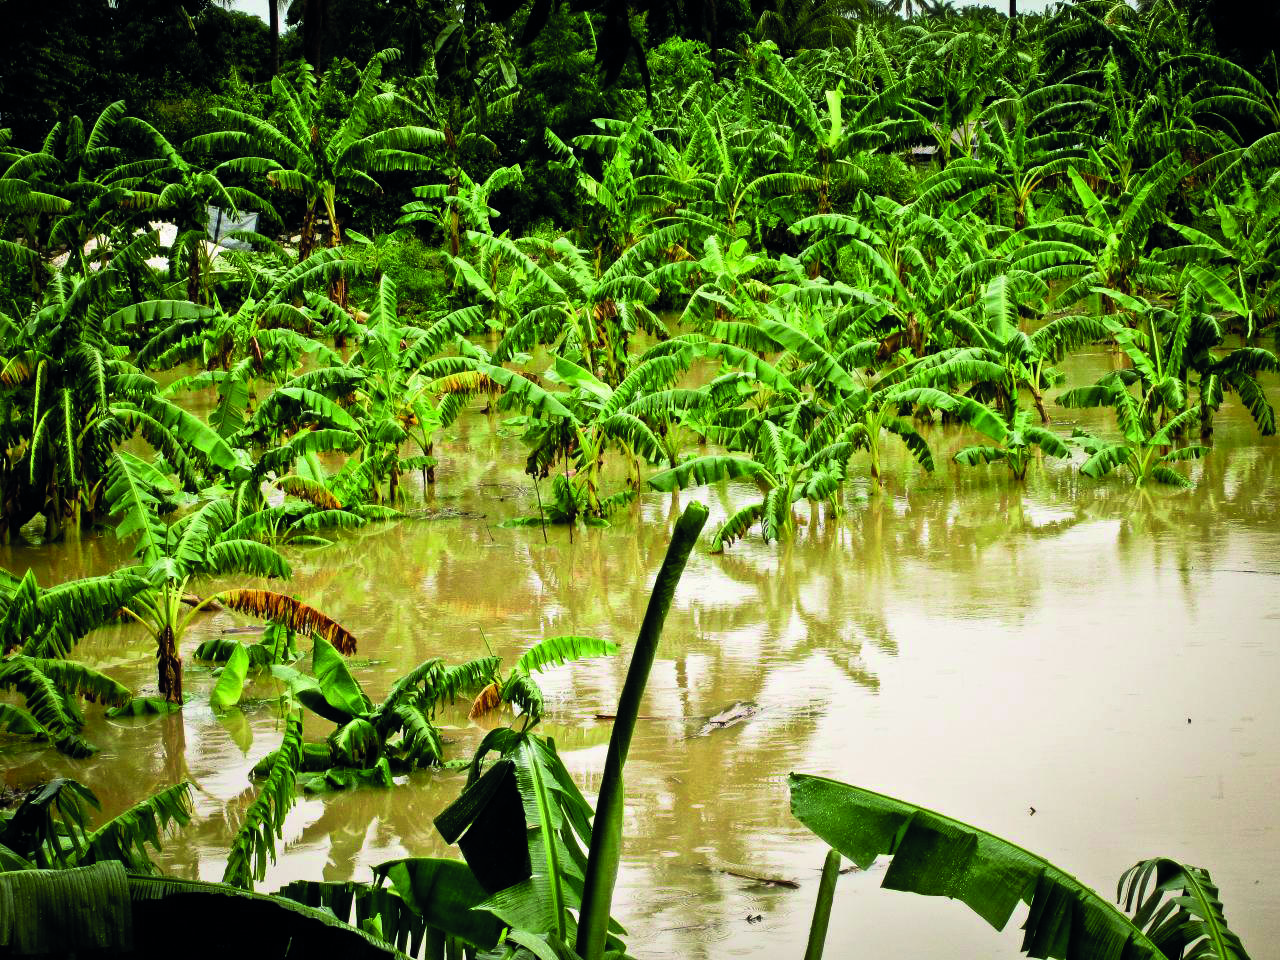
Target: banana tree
{"points": [[71, 400], [1180, 350], [49, 830], [1012, 164], [603, 417], [996, 356], [68, 194], [1113, 246], [169, 557], [461, 205], [1238, 271], [1015, 440], [264, 337], [39, 627], [844, 123], [1170, 910], [301, 153], [786, 469], [578, 310], [1146, 450]]}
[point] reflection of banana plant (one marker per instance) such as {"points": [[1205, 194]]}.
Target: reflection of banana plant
{"points": [[1175, 908], [523, 825]]}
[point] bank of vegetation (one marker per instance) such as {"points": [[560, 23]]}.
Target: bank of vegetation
{"points": [[760, 260]]}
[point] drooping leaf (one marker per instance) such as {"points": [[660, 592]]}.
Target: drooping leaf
{"points": [[937, 856]]}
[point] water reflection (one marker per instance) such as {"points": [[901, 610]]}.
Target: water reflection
{"points": [[968, 642]]}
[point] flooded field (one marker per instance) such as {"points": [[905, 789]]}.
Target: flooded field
{"points": [[1087, 671]]}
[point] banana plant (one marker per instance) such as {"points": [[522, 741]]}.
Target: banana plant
{"points": [[578, 310], [1170, 910], [843, 124], [518, 688], [633, 189], [785, 467], [39, 627], [371, 739], [298, 152], [265, 336], [49, 829], [1012, 164], [80, 398], [1015, 440], [1229, 92], [461, 204], [1180, 349], [730, 280], [1238, 270], [69, 193], [605, 418], [103, 907], [996, 356], [1112, 247], [1146, 449], [169, 557]]}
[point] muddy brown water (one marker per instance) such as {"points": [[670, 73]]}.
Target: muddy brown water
{"points": [[984, 649]]}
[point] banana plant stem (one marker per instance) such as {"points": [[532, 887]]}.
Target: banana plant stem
{"points": [[606, 831], [822, 909]]}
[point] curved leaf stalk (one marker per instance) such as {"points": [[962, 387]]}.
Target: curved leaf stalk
{"points": [[822, 908], [606, 832]]}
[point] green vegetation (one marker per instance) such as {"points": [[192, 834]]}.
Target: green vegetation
{"points": [[756, 259]]}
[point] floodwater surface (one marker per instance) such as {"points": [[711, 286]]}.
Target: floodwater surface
{"points": [[1089, 672]]}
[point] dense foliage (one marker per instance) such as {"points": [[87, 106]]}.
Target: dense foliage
{"points": [[750, 259]]}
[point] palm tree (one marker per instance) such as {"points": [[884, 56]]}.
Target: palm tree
{"points": [[796, 25]]}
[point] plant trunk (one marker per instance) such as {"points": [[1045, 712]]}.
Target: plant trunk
{"points": [[168, 666], [606, 832], [193, 273], [273, 26], [1038, 400], [338, 292], [1013, 20], [308, 241], [313, 17]]}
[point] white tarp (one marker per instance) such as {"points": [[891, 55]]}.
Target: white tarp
{"points": [[223, 222]]}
